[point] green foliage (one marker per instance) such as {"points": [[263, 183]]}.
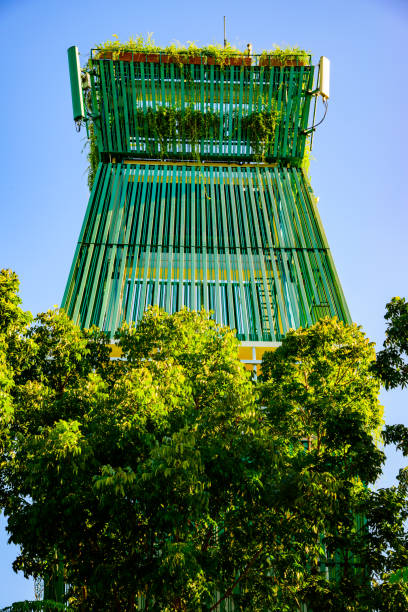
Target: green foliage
{"points": [[392, 361], [307, 158], [170, 476], [175, 50], [178, 52], [261, 128], [166, 123], [93, 156], [317, 370], [319, 389], [287, 54], [31, 606], [12, 322]]}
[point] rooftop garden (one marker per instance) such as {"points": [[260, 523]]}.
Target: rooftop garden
{"points": [[142, 49]]}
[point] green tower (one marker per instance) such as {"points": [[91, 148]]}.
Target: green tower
{"points": [[199, 199]]}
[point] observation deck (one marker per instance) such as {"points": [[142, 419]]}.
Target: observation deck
{"points": [[155, 109]]}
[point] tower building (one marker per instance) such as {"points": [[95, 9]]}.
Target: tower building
{"points": [[199, 198]]}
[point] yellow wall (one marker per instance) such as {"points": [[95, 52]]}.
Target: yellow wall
{"points": [[251, 356]]}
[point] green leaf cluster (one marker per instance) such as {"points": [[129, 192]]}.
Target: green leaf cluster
{"points": [[392, 362], [260, 128], [176, 50], [179, 52], [168, 480]]}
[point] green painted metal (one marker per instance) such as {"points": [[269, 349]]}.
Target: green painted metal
{"points": [[127, 93], [245, 242], [76, 87]]}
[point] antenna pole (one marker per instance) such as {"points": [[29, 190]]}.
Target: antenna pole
{"points": [[225, 38]]}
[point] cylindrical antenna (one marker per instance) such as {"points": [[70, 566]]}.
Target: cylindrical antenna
{"points": [[76, 87], [225, 36]]}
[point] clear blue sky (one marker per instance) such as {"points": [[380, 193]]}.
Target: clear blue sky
{"points": [[360, 151]]}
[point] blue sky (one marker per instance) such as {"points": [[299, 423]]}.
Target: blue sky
{"points": [[359, 172]]}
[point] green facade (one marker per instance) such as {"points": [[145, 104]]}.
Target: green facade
{"points": [[199, 200]]}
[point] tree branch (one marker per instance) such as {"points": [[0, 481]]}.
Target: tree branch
{"points": [[234, 584]]}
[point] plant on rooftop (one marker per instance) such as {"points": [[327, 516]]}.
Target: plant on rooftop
{"points": [[290, 56], [175, 52]]}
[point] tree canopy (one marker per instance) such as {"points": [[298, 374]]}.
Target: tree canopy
{"points": [[169, 480], [392, 361]]}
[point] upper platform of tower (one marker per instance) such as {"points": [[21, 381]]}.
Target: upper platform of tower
{"points": [[195, 104]]}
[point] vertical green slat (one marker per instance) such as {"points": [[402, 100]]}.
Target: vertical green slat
{"points": [[135, 106], [212, 135], [183, 107], [136, 239], [203, 224], [218, 313], [152, 87], [193, 239], [116, 171], [279, 108], [171, 240], [224, 185], [163, 85], [230, 108], [259, 100], [250, 110], [182, 205], [291, 244], [309, 241], [253, 283], [113, 239], [305, 112], [115, 107], [270, 89], [160, 234], [143, 83], [291, 215], [297, 117], [286, 121], [123, 276], [202, 103], [240, 145], [107, 112], [221, 147], [147, 266], [125, 107], [239, 254], [173, 101], [282, 309], [264, 276]]}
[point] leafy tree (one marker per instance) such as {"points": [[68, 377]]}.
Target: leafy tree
{"points": [[392, 365], [169, 479], [319, 390], [12, 322]]}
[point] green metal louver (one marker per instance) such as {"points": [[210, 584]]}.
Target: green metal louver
{"points": [[244, 242], [196, 203], [127, 96]]}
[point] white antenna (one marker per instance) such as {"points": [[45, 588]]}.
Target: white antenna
{"points": [[324, 78]]}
